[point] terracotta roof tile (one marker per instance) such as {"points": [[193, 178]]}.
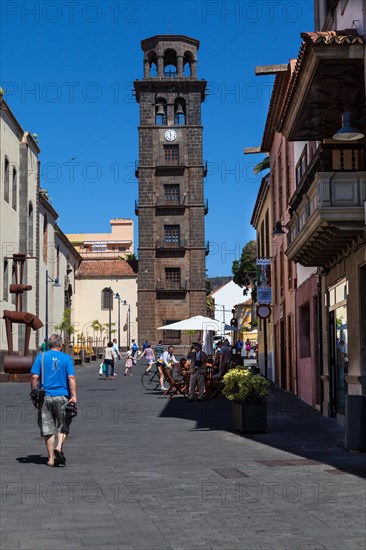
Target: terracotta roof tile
{"points": [[348, 36], [95, 269]]}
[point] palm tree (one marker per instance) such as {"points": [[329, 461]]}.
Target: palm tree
{"points": [[65, 326]]}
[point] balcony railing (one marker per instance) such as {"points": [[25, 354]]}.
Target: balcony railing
{"points": [[163, 163], [166, 203], [172, 287], [327, 210], [179, 244], [330, 158]]}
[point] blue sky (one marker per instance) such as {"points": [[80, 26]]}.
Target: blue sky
{"points": [[68, 68]]}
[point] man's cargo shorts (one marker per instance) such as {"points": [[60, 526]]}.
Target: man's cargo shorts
{"points": [[52, 416]]}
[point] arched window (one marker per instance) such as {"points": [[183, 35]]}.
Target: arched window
{"points": [[6, 179], [14, 190], [45, 238], [30, 229], [107, 298], [187, 64], [153, 64], [160, 112], [179, 112], [6, 281], [170, 63]]}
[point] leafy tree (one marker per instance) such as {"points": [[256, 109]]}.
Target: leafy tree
{"points": [[129, 257], [210, 303], [66, 326], [245, 269]]}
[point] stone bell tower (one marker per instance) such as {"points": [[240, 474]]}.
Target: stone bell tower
{"points": [[170, 171]]}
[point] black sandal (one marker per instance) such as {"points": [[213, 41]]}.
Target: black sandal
{"points": [[60, 457]]}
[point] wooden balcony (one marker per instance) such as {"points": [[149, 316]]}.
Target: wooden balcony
{"points": [[163, 204], [171, 249], [327, 210], [171, 289]]}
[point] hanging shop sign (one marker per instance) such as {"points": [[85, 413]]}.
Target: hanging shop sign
{"points": [[264, 290]]}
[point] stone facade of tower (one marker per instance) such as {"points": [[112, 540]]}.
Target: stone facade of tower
{"points": [[171, 171]]}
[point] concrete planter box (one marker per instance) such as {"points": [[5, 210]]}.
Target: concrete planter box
{"points": [[249, 418]]}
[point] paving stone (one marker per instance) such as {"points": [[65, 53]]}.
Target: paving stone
{"points": [[153, 484]]}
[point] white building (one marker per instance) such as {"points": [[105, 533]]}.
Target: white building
{"points": [[18, 206], [28, 226], [226, 297], [98, 285]]}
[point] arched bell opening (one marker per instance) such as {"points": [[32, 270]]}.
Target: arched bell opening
{"points": [[151, 65], [179, 112], [187, 63], [170, 63], [160, 112]]}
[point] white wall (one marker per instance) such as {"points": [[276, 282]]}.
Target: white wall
{"points": [[228, 296], [88, 305], [11, 139]]}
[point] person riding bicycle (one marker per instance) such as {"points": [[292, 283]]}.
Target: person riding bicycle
{"points": [[167, 359]]}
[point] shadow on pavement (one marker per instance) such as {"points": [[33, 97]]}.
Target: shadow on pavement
{"points": [[32, 459], [293, 427]]}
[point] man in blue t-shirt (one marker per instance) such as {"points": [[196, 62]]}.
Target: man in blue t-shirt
{"points": [[59, 384]]}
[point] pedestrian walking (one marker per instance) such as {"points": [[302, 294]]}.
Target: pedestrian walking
{"points": [[128, 364], [248, 348], [53, 371], [150, 357], [116, 349], [109, 361], [167, 359], [116, 355], [134, 350]]}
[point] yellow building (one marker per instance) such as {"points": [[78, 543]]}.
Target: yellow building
{"points": [[262, 222]]}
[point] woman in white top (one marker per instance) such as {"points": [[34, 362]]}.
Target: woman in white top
{"points": [[109, 360]]}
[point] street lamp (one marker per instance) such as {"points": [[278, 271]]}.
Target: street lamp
{"points": [[350, 130], [223, 317], [55, 284], [124, 303], [110, 294]]}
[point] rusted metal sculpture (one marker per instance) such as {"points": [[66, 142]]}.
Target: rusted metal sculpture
{"points": [[13, 363]]}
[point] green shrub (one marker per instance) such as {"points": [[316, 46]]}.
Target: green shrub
{"points": [[241, 385]]}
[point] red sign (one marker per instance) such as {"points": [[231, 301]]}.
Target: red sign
{"points": [[263, 311]]}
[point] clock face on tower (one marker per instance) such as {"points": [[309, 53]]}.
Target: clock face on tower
{"points": [[170, 135]]}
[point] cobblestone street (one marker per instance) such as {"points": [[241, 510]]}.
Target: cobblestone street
{"points": [[145, 472]]}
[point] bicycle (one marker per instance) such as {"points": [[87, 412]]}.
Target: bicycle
{"points": [[151, 380]]}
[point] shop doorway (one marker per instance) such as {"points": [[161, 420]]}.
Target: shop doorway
{"points": [[338, 351]]}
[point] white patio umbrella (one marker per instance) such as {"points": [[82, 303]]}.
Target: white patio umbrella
{"points": [[198, 322], [208, 342]]}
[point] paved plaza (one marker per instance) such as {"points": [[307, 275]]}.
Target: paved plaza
{"points": [[145, 472]]}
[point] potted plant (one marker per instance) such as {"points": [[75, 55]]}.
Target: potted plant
{"points": [[248, 393]]}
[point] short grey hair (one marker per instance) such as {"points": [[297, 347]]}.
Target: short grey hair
{"points": [[54, 341]]}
